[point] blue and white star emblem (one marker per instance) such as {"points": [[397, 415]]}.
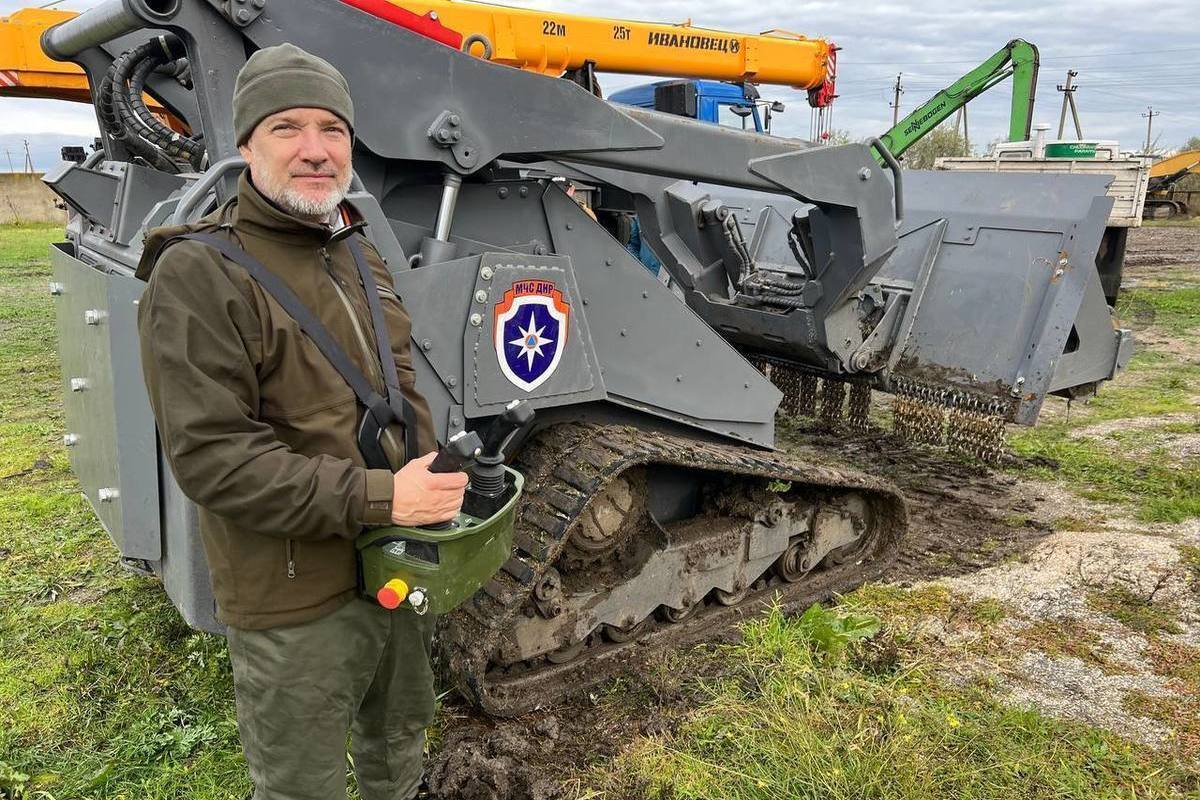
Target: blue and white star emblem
{"points": [[530, 332]]}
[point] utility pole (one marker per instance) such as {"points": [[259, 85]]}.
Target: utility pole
{"points": [[1149, 115], [8, 153], [28, 158], [1068, 91], [960, 123], [897, 91]]}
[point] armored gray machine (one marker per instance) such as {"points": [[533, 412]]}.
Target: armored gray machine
{"points": [[794, 277]]}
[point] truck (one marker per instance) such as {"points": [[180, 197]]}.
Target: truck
{"points": [[717, 102], [657, 508]]}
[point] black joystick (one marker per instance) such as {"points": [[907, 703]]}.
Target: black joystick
{"points": [[454, 456], [489, 489], [487, 478], [459, 451]]}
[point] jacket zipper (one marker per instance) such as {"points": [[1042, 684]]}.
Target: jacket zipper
{"points": [[372, 356], [291, 558]]}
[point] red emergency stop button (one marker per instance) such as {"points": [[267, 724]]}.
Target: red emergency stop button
{"points": [[392, 594]]}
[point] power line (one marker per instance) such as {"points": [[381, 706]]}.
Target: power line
{"points": [[850, 62], [1138, 66]]}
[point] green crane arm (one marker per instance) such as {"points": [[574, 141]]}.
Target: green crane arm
{"points": [[1018, 58]]}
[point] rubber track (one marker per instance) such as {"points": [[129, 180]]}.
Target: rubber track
{"points": [[567, 466]]}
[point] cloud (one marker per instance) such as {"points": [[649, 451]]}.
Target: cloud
{"points": [[24, 116], [1129, 55]]}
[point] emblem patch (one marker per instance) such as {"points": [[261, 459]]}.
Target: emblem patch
{"points": [[531, 332]]}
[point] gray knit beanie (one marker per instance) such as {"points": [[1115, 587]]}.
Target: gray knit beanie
{"points": [[284, 76]]}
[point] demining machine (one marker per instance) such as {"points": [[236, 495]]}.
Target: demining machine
{"points": [[655, 507]]}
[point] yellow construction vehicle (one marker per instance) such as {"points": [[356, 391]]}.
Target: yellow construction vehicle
{"points": [[553, 43], [538, 41], [25, 71], [1164, 175]]}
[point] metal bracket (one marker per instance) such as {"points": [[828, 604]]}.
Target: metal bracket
{"points": [[243, 12], [447, 131], [871, 355]]}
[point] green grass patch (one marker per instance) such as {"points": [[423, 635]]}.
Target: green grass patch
{"points": [[1134, 611], [904, 606], [1176, 310], [1135, 473], [795, 720], [1071, 522], [1179, 222], [22, 245], [104, 691], [1179, 301], [1156, 489], [1163, 385], [898, 603], [1068, 638]]}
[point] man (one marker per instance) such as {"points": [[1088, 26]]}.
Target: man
{"points": [[260, 430]]}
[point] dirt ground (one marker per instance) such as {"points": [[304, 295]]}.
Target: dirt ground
{"points": [[982, 531], [961, 521], [1161, 245]]}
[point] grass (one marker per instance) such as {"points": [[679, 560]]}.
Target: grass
{"points": [[1144, 478], [1158, 491], [1188, 222], [104, 691], [1133, 611], [1068, 638], [794, 719], [1174, 310]]}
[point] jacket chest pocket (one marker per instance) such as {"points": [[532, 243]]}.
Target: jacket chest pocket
{"points": [[296, 381]]}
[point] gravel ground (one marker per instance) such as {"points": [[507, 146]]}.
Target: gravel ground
{"points": [[1054, 584]]}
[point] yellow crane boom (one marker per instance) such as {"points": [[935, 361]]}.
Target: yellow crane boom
{"points": [[1185, 162], [547, 42], [553, 43], [25, 71]]}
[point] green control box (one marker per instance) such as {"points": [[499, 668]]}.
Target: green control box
{"points": [[437, 569]]}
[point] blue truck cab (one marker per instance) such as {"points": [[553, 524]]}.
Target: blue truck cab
{"points": [[717, 102]]}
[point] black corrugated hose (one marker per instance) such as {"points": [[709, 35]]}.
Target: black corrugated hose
{"points": [[124, 110]]}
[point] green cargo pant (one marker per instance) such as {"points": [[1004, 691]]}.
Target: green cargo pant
{"points": [[299, 689]]}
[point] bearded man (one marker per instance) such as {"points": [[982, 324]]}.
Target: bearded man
{"points": [[261, 429]]}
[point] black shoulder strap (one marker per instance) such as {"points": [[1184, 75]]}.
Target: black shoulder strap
{"points": [[383, 343], [383, 412]]}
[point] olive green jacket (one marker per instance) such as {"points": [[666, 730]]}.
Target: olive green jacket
{"points": [[258, 427]]}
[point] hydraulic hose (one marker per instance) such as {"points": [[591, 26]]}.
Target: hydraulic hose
{"points": [[108, 114], [111, 120], [121, 102], [174, 144]]}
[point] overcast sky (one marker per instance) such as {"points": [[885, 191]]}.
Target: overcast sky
{"points": [[1129, 54]]}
